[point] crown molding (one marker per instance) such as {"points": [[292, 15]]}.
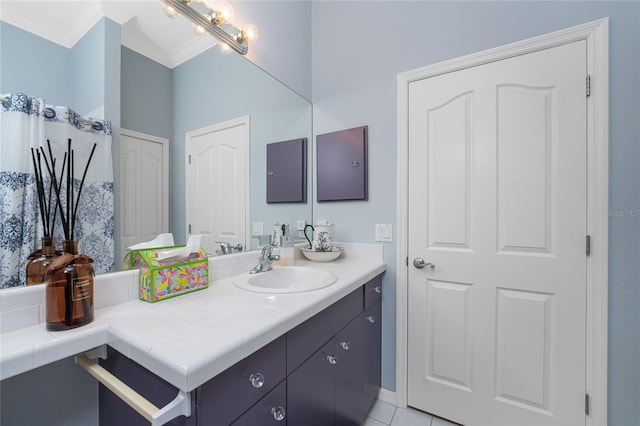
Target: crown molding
{"points": [[86, 15]]}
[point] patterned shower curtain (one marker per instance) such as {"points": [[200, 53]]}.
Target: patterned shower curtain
{"points": [[26, 123]]}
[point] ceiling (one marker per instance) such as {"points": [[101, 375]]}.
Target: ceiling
{"points": [[145, 27]]}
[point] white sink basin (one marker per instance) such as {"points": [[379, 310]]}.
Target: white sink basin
{"points": [[291, 279]]}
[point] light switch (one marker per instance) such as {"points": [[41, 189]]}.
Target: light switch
{"points": [[258, 228], [384, 232], [301, 224]]}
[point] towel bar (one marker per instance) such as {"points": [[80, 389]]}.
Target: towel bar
{"points": [[180, 406]]}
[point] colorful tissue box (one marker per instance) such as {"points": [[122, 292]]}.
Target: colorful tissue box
{"points": [[163, 279]]}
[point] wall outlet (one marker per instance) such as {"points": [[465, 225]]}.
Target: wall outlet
{"points": [[321, 222], [384, 232]]}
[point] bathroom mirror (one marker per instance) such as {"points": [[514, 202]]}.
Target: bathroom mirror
{"points": [[208, 89]]}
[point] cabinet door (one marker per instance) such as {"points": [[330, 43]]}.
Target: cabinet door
{"points": [[270, 410], [311, 389], [349, 408], [372, 321], [225, 397]]}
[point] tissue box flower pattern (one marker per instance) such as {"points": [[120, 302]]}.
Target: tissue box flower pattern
{"points": [[161, 280]]}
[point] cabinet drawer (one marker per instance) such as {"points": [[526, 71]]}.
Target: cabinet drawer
{"points": [[270, 410], [224, 398], [309, 336], [373, 291]]}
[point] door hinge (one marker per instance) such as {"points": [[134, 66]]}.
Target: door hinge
{"points": [[406, 260], [587, 403], [189, 228], [189, 158], [588, 86], [588, 248]]}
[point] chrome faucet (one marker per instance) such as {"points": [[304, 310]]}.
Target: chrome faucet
{"points": [[265, 260], [226, 248]]}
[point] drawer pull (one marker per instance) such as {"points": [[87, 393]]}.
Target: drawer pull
{"points": [[278, 413], [377, 289], [257, 380], [332, 359], [345, 345], [371, 319]]}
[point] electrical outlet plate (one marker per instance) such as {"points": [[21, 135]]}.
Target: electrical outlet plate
{"points": [[321, 222], [300, 224], [384, 232]]}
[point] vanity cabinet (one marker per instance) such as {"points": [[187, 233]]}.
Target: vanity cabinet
{"points": [[326, 371]]}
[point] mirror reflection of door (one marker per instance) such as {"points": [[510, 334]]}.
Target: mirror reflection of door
{"points": [[144, 174], [217, 193]]}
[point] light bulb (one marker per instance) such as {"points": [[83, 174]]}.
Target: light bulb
{"points": [[226, 10], [225, 48], [250, 33], [199, 30], [170, 11]]}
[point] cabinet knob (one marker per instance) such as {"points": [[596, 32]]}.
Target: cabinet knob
{"points": [[332, 359], [377, 289], [257, 380], [345, 345], [278, 413], [371, 319]]}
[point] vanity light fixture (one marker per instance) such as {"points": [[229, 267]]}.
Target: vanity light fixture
{"points": [[213, 21]]}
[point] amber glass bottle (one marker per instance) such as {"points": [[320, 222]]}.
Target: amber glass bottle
{"points": [[69, 293], [40, 260]]}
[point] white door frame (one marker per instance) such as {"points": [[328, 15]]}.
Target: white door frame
{"points": [[246, 121], [596, 34]]}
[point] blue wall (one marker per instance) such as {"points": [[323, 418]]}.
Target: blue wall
{"points": [[33, 65], [147, 95], [354, 83]]}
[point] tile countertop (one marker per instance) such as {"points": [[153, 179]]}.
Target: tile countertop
{"points": [[191, 338]]}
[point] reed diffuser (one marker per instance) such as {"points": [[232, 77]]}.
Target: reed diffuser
{"points": [[40, 260], [69, 294]]}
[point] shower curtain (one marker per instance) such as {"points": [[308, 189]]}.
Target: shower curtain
{"points": [[26, 123]]}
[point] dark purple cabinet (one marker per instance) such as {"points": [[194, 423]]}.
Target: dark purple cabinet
{"points": [[324, 372], [242, 385], [341, 164], [372, 325], [270, 410], [287, 171], [350, 351]]}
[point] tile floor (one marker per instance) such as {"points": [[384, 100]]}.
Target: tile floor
{"points": [[385, 414]]}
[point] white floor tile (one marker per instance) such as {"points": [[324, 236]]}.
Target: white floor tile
{"points": [[382, 411], [373, 422], [410, 417]]}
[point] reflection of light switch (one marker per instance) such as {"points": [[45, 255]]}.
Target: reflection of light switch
{"points": [[384, 233], [258, 228]]}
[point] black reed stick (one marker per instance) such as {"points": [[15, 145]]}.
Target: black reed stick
{"points": [[84, 175]]}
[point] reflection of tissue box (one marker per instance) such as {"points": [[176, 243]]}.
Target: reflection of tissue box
{"points": [[163, 279], [133, 259]]}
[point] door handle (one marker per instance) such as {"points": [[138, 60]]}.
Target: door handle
{"points": [[419, 263]]}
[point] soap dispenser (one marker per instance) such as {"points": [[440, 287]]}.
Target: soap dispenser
{"points": [[286, 252]]}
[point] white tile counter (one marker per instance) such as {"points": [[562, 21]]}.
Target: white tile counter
{"points": [[186, 340]]}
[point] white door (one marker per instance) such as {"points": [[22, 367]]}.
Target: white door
{"points": [[144, 177], [497, 202], [217, 183]]}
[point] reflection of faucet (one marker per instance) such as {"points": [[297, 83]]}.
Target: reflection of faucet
{"points": [[226, 248], [265, 260]]}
